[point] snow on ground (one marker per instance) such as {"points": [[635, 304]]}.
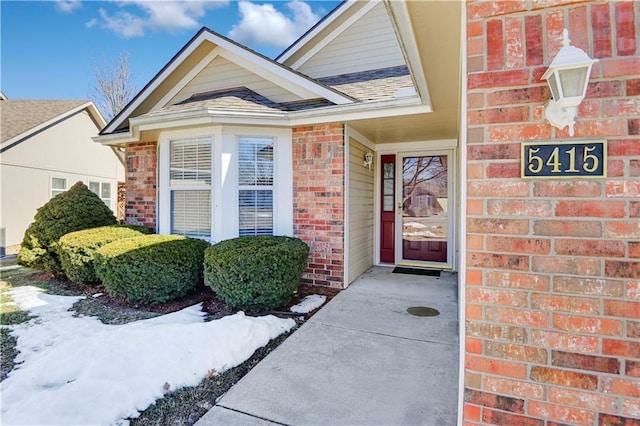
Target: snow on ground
{"points": [[308, 304], [81, 371]]}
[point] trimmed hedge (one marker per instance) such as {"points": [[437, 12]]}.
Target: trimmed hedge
{"points": [[256, 273], [77, 250], [73, 210], [151, 269]]}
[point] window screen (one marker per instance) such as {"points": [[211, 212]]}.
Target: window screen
{"points": [[255, 190], [58, 186], [190, 183], [102, 190]]}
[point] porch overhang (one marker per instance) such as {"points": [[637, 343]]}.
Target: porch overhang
{"points": [[146, 127]]}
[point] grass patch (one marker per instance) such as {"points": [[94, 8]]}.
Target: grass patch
{"points": [[9, 352], [9, 312]]}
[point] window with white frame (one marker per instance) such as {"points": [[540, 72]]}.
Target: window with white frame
{"points": [[190, 187], [102, 190], [255, 186], [58, 186]]}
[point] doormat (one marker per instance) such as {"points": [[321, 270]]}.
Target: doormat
{"points": [[416, 271]]}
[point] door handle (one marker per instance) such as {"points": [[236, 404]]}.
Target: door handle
{"points": [[400, 208]]}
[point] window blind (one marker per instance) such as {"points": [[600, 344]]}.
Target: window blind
{"points": [[255, 189], [190, 183]]}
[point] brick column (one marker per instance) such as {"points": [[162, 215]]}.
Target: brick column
{"points": [[140, 184], [553, 266], [318, 200]]}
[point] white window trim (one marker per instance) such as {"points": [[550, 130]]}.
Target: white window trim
{"points": [[257, 187], [100, 183], [225, 211], [58, 191]]}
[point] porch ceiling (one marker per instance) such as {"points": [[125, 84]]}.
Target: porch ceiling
{"points": [[436, 25]]}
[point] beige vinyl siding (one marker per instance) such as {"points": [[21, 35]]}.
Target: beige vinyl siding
{"points": [[361, 211], [368, 44], [63, 151], [223, 74]]}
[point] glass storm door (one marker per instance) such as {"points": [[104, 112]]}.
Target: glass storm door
{"points": [[423, 198]]}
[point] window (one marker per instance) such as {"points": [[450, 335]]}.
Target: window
{"points": [[221, 182], [255, 186], [58, 186], [102, 190], [190, 187]]}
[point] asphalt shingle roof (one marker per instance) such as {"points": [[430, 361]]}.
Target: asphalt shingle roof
{"points": [[373, 85], [238, 98], [18, 116]]}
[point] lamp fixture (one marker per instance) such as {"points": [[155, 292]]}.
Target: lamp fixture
{"points": [[567, 77], [368, 160]]}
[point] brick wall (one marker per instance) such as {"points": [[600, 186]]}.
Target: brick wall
{"points": [[318, 203], [140, 184], [553, 266]]}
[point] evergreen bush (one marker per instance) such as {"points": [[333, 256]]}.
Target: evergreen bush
{"points": [[77, 250], [256, 273], [151, 269], [73, 210]]}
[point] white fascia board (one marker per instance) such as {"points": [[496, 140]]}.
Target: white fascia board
{"points": [[403, 28], [117, 139], [208, 116], [88, 105], [246, 58], [335, 33], [360, 111], [295, 83], [154, 84], [187, 78], [300, 43]]}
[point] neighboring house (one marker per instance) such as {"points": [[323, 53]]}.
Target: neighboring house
{"points": [[224, 142], [45, 148]]}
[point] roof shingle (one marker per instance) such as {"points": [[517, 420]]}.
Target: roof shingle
{"points": [[18, 116]]}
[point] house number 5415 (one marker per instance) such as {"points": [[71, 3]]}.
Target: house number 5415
{"points": [[564, 160]]}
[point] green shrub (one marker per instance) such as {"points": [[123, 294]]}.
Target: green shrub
{"points": [[151, 269], [77, 250], [73, 210], [256, 273]]}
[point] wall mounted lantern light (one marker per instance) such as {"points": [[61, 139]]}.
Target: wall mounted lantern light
{"points": [[368, 160], [567, 78]]}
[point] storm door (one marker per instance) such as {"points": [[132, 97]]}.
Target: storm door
{"points": [[423, 198]]}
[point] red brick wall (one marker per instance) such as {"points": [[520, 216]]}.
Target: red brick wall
{"points": [[553, 266], [318, 200], [142, 160]]}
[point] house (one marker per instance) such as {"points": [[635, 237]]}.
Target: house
{"points": [[46, 147], [392, 133]]}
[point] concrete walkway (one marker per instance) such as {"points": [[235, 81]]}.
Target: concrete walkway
{"points": [[361, 360]]}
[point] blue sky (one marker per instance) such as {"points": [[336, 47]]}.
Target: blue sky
{"points": [[50, 48]]}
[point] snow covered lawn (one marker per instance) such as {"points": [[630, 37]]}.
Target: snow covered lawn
{"points": [[81, 371]]}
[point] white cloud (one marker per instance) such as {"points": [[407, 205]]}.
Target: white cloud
{"points": [[91, 23], [264, 25], [68, 6], [159, 15]]}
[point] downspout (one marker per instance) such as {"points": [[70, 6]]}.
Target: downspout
{"points": [[120, 154], [462, 218]]}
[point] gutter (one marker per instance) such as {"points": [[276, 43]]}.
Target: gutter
{"points": [[212, 116]]}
